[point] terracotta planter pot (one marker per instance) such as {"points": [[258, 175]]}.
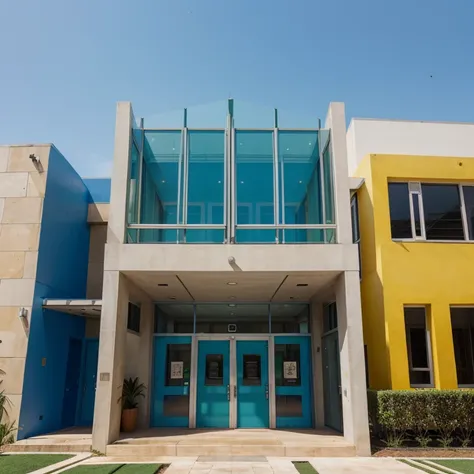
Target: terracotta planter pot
{"points": [[129, 419]]}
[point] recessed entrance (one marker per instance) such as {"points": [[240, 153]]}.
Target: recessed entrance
{"points": [[209, 373]]}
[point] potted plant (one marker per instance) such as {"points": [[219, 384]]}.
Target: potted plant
{"points": [[131, 391]]}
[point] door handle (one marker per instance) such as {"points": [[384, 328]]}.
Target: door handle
{"points": [[266, 391], [235, 391], [228, 392]]}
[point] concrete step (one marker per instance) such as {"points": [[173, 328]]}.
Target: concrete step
{"points": [[21, 447], [183, 449]]}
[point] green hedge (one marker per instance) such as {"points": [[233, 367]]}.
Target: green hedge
{"points": [[398, 415]]}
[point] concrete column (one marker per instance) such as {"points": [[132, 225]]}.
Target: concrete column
{"points": [[120, 174], [316, 344], [442, 347], [336, 122], [111, 366], [145, 357], [351, 346]]}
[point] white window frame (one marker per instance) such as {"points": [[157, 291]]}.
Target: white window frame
{"points": [[414, 187], [416, 190], [428, 349]]}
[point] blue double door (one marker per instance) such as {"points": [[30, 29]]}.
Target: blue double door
{"points": [[232, 384]]}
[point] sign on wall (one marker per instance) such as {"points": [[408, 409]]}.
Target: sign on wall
{"points": [[177, 370], [290, 370]]}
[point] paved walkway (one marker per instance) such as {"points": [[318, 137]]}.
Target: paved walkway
{"points": [[262, 465]]}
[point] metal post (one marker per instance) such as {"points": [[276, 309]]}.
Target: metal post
{"points": [[180, 160], [140, 175], [185, 172], [232, 173], [276, 202]]}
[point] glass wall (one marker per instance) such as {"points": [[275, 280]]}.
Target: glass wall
{"points": [[239, 318], [231, 186]]}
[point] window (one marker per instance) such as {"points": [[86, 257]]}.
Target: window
{"points": [[133, 322], [355, 228], [468, 193], [419, 347], [431, 211], [462, 323], [400, 217], [442, 207], [329, 317]]}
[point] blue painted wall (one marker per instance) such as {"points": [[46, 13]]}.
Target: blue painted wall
{"points": [[61, 273], [99, 189]]}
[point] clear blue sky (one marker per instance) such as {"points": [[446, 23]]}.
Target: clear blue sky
{"points": [[65, 63]]}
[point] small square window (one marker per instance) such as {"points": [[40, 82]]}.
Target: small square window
{"points": [[133, 322]]}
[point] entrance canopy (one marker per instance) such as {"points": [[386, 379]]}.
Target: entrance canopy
{"points": [[85, 308], [233, 286]]}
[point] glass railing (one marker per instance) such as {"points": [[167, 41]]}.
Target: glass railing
{"points": [[231, 185]]}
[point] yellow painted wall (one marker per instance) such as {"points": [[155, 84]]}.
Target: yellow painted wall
{"points": [[395, 274]]}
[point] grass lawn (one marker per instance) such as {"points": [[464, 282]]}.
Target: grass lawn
{"points": [[465, 466], [304, 467], [115, 468], [24, 463]]}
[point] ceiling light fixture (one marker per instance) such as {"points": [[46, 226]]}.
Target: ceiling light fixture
{"points": [[232, 305], [231, 283]]}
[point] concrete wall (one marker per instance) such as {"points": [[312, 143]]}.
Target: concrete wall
{"points": [[392, 137], [22, 190], [61, 273], [395, 274]]}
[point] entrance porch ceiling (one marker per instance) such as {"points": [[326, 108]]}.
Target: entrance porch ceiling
{"points": [[236, 286]]}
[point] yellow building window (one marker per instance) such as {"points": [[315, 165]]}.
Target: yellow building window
{"points": [[419, 347]]}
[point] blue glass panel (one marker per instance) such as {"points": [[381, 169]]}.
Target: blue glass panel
{"points": [[206, 184], [254, 184], [300, 186], [162, 162]]}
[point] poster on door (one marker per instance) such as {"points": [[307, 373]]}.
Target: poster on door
{"points": [[176, 370], [290, 370]]}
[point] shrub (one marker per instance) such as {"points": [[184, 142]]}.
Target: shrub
{"points": [[396, 414]]}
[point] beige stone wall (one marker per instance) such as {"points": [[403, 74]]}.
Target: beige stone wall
{"points": [[95, 273], [22, 188]]}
